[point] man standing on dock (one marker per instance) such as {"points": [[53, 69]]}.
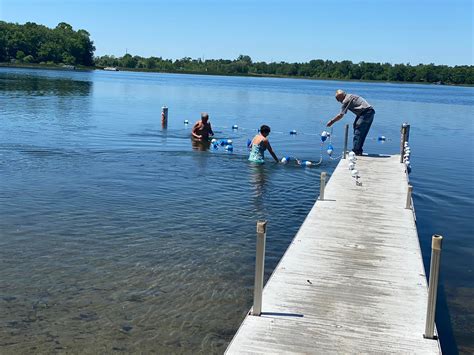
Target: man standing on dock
{"points": [[364, 116]]}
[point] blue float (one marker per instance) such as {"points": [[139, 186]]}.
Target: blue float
{"points": [[306, 163], [330, 149], [324, 136]]}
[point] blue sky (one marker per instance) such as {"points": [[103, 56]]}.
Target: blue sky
{"points": [[402, 31]]}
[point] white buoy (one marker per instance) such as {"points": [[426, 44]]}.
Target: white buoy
{"points": [[407, 162], [351, 154], [235, 127], [284, 160], [351, 166], [354, 173], [213, 140]]}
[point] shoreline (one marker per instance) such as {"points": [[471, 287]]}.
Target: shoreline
{"points": [[253, 75]]}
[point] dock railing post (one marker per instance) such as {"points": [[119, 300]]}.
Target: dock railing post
{"points": [[408, 204], [346, 137], [259, 268], [322, 186], [405, 136], [436, 242]]}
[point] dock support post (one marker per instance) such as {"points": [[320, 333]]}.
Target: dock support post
{"points": [[322, 186], [346, 137], [405, 136], [436, 242], [259, 268], [408, 204]]}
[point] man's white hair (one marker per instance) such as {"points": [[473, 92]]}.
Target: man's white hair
{"points": [[340, 92]]}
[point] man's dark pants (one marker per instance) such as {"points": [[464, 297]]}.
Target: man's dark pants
{"points": [[362, 125]]}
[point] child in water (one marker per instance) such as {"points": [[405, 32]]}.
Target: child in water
{"points": [[259, 144]]}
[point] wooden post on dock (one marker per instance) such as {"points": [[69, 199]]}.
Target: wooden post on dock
{"points": [[259, 268], [405, 136], [408, 204], [322, 186], [346, 137], [436, 242]]}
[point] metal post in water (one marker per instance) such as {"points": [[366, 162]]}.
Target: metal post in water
{"points": [[259, 267], [410, 190], [436, 242], [322, 186], [346, 137], [405, 135], [164, 115]]}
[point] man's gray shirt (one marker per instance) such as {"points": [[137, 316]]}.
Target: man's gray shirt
{"points": [[355, 104]]}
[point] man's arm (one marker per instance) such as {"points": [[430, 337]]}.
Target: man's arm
{"points": [[335, 119], [193, 132], [211, 132]]}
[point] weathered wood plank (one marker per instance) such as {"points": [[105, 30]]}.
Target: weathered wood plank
{"points": [[352, 280]]}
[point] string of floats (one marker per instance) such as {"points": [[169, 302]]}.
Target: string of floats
{"points": [[228, 146]]}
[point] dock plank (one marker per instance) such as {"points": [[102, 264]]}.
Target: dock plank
{"points": [[352, 280]]}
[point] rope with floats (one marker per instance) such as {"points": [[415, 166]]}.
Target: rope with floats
{"points": [[325, 135], [227, 145]]}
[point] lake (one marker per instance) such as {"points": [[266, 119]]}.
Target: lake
{"points": [[120, 235]]}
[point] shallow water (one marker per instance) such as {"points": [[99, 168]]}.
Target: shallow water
{"points": [[118, 235]]}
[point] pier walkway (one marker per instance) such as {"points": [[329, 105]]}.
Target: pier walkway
{"points": [[352, 280]]}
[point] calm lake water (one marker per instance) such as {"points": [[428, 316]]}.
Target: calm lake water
{"points": [[118, 235]]}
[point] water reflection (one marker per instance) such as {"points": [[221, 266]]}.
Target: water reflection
{"points": [[42, 86], [258, 179], [200, 145]]}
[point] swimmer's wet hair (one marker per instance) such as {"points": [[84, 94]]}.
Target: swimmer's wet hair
{"points": [[265, 129]]}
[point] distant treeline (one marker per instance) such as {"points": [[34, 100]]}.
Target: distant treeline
{"points": [[36, 44], [32, 43], [318, 69]]}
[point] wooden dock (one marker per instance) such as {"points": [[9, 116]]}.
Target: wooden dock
{"points": [[352, 280]]}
